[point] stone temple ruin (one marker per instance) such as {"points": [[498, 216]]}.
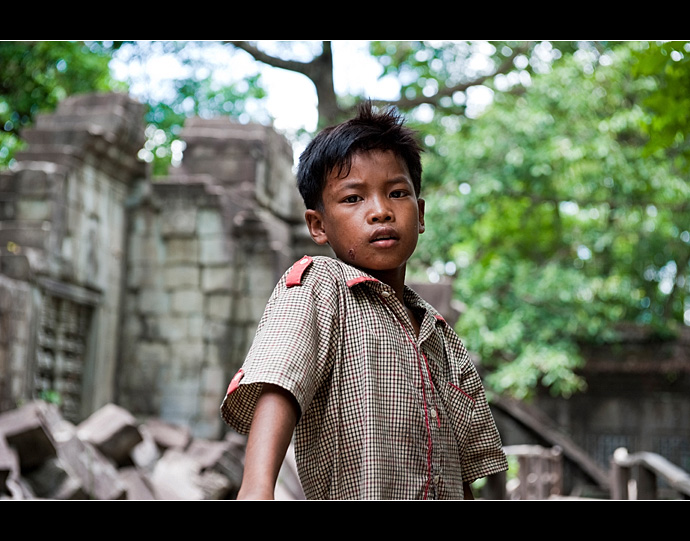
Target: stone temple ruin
{"points": [[116, 287]]}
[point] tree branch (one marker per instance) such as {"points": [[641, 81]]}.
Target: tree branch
{"points": [[305, 68], [506, 66]]}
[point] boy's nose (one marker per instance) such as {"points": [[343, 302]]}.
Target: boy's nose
{"points": [[387, 217], [381, 212]]}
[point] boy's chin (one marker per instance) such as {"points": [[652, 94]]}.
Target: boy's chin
{"points": [[377, 267]]}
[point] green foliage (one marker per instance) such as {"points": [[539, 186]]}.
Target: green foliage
{"points": [[192, 98], [558, 224], [669, 64], [193, 88], [36, 75]]}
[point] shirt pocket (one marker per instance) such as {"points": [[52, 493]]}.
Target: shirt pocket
{"points": [[460, 411]]}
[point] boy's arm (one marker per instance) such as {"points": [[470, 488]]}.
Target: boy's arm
{"points": [[274, 421]]}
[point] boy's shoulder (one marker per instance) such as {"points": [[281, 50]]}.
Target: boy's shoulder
{"points": [[321, 271]]}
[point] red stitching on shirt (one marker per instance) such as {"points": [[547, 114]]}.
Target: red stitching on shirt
{"points": [[433, 389], [463, 392], [426, 412]]}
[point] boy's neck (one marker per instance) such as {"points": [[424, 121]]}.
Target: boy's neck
{"points": [[394, 278]]}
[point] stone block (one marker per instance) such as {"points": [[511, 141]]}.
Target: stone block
{"points": [[9, 465], [215, 331], [167, 435], [17, 267], [209, 222], [176, 276], [113, 431], [217, 278], [196, 326], [136, 484], [53, 482], [173, 477], [36, 182], [34, 209], [150, 355], [218, 306], [66, 467], [97, 475], [174, 328], [182, 250], [179, 476], [24, 430], [180, 395], [146, 452], [153, 301], [213, 250], [180, 222], [188, 354], [187, 301]]}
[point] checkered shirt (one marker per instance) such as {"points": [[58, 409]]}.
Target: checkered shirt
{"points": [[384, 413]]}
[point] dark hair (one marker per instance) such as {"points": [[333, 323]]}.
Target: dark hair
{"points": [[332, 149]]}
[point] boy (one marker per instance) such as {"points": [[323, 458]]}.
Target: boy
{"points": [[381, 394]]}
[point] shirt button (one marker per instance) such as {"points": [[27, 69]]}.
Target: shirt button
{"points": [[385, 294], [433, 413]]}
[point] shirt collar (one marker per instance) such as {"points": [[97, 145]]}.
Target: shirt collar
{"points": [[354, 277]]}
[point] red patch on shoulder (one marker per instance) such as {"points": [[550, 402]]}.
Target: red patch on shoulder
{"points": [[294, 277]]}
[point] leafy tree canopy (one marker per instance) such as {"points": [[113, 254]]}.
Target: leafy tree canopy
{"points": [[556, 220], [36, 75]]}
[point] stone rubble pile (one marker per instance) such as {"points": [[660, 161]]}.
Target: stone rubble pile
{"points": [[113, 456]]}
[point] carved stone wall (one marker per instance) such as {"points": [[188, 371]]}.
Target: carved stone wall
{"points": [[62, 242], [145, 292]]}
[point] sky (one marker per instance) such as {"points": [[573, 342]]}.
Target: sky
{"points": [[291, 98]]}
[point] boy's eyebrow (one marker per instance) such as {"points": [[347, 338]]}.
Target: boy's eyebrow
{"points": [[351, 184]]}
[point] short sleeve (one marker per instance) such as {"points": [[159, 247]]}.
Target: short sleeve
{"points": [[292, 348]]}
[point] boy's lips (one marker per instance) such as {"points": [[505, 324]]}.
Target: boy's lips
{"points": [[384, 236]]}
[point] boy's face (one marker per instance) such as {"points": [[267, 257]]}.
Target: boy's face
{"points": [[371, 218]]}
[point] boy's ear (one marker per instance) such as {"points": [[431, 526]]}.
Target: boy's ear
{"points": [[420, 206], [316, 226]]}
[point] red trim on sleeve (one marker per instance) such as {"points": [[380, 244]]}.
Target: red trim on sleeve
{"points": [[235, 383], [294, 277]]}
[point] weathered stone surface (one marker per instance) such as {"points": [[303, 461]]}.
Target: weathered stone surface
{"points": [[167, 463], [24, 430], [9, 464], [136, 483], [167, 435], [113, 431]]}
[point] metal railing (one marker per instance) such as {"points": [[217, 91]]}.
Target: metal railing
{"points": [[539, 474], [637, 476]]}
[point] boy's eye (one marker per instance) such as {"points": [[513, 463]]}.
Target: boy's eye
{"points": [[351, 199], [398, 193]]}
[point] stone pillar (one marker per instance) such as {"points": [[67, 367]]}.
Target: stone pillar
{"points": [[62, 241], [207, 245]]}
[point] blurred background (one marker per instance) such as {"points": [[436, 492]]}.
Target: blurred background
{"points": [[555, 180]]}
